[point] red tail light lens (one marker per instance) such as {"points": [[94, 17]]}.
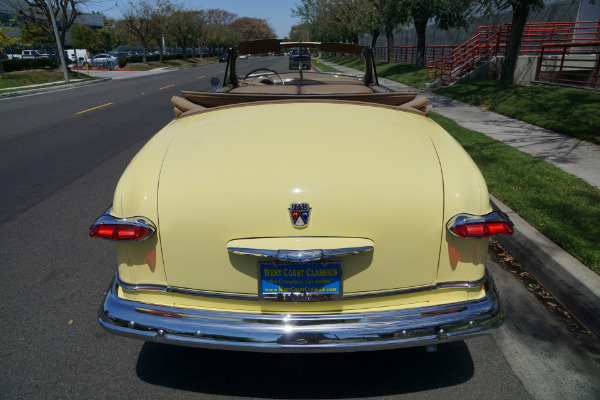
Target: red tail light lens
{"points": [[120, 232], [481, 230], [480, 226], [109, 227]]}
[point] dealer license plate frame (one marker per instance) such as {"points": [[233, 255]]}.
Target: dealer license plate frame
{"points": [[324, 288]]}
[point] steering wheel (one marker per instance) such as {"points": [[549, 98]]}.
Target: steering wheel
{"points": [[263, 76]]}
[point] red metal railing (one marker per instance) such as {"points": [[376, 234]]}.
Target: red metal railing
{"points": [[408, 54], [466, 56], [492, 41], [570, 64], [538, 34]]}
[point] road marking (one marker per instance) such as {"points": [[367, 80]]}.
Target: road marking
{"points": [[166, 87], [90, 109], [221, 72], [203, 76]]}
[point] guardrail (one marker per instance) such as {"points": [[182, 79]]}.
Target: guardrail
{"points": [[540, 34], [570, 64], [408, 54], [492, 41]]}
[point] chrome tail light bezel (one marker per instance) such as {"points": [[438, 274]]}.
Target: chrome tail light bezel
{"points": [[471, 219], [138, 221]]}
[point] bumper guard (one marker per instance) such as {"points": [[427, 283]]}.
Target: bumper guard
{"points": [[336, 332]]}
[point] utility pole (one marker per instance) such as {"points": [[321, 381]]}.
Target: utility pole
{"points": [[61, 53]]}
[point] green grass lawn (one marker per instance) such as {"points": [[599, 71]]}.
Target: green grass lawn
{"points": [[571, 111], [564, 208], [323, 67], [574, 112], [35, 77], [403, 73]]}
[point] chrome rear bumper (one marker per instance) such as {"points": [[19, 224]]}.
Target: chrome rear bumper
{"points": [[301, 333]]}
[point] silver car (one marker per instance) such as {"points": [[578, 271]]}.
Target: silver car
{"points": [[103, 60]]}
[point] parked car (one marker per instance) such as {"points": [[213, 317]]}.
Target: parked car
{"points": [[367, 231], [300, 57], [119, 54], [29, 54], [104, 60], [224, 57], [243, 56]]}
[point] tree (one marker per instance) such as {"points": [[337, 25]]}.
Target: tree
{"points": [[446, 13], [138, 19], [252, 29], [35, 17], [220, 35], [317, 22], [520, 9], [392, 16], [84, 37], [160, 16], [218, 30], [219, 16], [104, 38], [197, 21], [298, 32], [31, 33], [7, 39], [180, 28], [121, 35], [379, 16], [332, 20], [347, 20]]}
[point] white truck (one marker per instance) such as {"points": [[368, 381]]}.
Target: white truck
{"points": [[29, 54], [77, 55]]}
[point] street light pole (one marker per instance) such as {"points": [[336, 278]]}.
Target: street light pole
{"points": [[61, 53]]}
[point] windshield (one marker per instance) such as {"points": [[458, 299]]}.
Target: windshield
{"points": [[277, 62], [288, 63]]}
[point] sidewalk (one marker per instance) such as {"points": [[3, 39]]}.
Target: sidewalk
{"points": [[573, 284], [119, 74]]}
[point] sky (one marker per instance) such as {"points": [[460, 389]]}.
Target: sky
{"points": [[276, 12]]}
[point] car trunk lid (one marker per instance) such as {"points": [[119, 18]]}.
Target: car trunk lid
{"points": [[365, 171]]}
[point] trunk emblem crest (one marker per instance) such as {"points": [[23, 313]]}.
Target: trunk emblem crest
{"points": [[299, 212]]}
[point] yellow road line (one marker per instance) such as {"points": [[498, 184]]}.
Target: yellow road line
{"points": [[166, 87], [203, 76], [90, 109]]}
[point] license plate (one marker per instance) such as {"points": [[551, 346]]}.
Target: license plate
{"points": [[312, 281]]}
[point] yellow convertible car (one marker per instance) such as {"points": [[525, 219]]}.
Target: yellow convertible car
{"points": [[301, 211]]}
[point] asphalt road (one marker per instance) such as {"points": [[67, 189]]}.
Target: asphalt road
{"points": [[61, 154]]}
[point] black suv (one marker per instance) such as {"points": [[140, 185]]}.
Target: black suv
{"points": [[297, 59]]}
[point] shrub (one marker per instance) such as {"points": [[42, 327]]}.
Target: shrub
{"points": [[21, 64]]}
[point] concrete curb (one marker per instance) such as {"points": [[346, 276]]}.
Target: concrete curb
{"points": [[573, 284], [52, 88]]}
